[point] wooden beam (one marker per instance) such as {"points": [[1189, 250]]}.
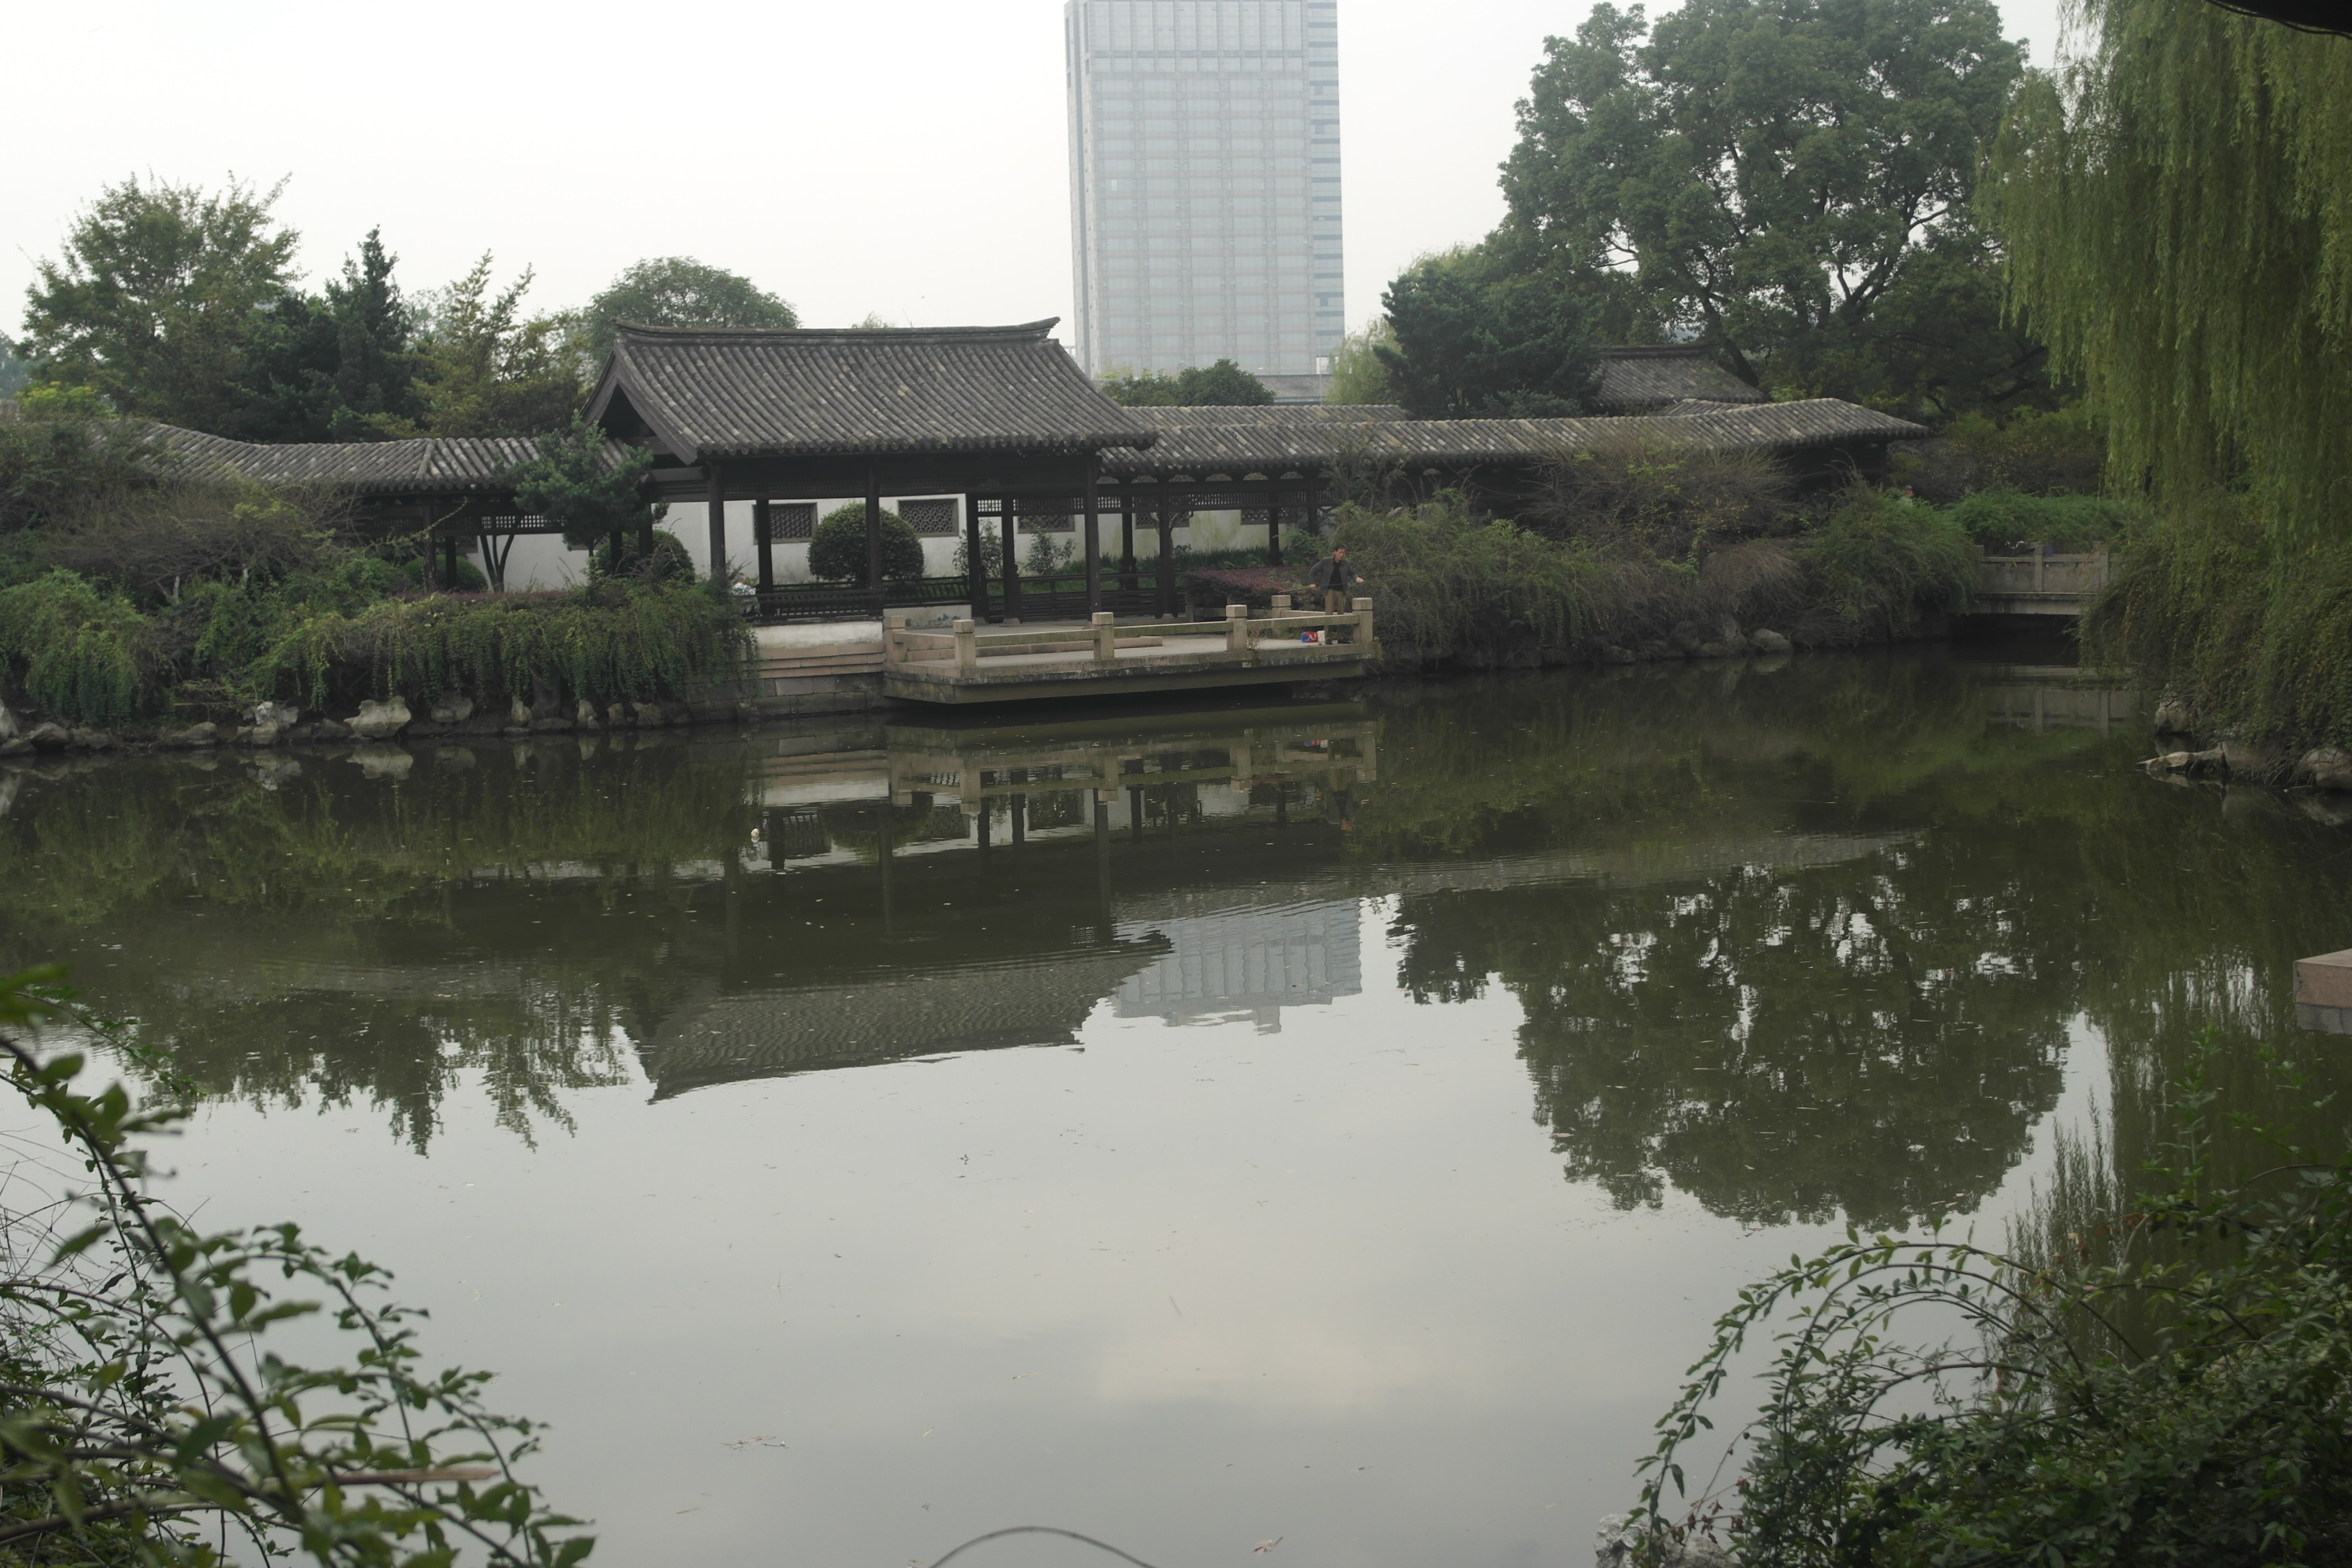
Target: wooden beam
{"points": [[762, 528]]}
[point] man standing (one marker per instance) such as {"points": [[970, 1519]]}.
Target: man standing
{"points": [[1333, 576]]}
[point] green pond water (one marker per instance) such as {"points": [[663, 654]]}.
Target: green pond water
{"points": [[1330, 1122]]}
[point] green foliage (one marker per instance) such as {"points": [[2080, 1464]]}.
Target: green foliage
{"points": [[149, 1398], [1786, 180], [1882, 562], [1489, 594], [571, 481], [154, 543], [1357, 375], [158, 298], [14, 372], [2255, 637], [1474, 340], [1222, 384], [678, 291], [2057, 451], [1670, 501], [77, 652], [838, 547], [2000, 519], [59, 450], [2178, 227], [2168, 1384], [611, 641], [485, 369], [1049, 554], [992, 553]]}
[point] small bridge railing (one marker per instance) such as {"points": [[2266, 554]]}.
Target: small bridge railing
{"points": [[1236, 637], [2041, 576]]}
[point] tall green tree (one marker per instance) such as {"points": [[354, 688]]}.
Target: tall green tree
{"points": [[2179, 226], [1474, 340], [14, 372], [1786, 180], [1223, 384], [158, 298], [679, 291], [487, 369]]}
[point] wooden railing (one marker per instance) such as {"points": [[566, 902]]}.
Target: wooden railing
{"points": [[1237, 638]]}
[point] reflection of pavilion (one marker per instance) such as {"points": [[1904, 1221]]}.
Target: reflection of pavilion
{"points": [[1250, 963]]}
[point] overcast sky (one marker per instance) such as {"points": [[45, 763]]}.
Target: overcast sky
{"points": [[900, 157]]}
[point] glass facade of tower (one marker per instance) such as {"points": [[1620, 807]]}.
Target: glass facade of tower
{"points": [[1205, 183]]}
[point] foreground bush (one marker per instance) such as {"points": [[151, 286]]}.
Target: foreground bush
{"points": [[147, 1401], [2166, 1381], [2006, 520]]}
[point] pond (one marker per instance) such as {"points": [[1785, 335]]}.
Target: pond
{"points": [[1333, 1123]]}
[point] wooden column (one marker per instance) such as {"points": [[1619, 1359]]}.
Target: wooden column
{"points": [[1167, 585], [432, 556], [714, 498], [764, 529], [1011, 522], [1127, 535], [1094, 540], [974, 567], [1273, 523], [449, 560], [1313, 497], [874, 530]]}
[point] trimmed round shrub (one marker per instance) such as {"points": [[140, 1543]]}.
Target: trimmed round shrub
{"points": [[837, 547]]}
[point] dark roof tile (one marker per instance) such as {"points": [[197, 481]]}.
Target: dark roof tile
{"points": [[846, 391]]}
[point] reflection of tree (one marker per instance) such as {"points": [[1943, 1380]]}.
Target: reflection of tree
{"points": [[334, 935], [1876, 1035], [1873, 1039]]}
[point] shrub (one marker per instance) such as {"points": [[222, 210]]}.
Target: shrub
{"points": [[1671, 500], [59, 450], [2167, 1381], [152, 1406], [607, 642], [2037, 452], [2003, 519], [1447, 587], [991, 554], [154, 542], [2258, 639], [838, 547], [1880, 564], [79, 653]]}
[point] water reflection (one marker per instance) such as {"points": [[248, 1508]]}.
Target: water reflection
{"points": [[1802, 942]]}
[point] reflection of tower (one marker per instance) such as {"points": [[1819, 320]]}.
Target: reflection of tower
{"points": [[1247, 964]]}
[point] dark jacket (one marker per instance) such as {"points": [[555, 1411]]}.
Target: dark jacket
{"points": [[1329, 573]]}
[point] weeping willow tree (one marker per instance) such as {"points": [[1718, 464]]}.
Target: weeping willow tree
{"points": [[2179, 225]]}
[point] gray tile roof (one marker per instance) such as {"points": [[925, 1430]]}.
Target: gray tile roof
{"points": [[1638, 380], [1279, 414], [713, 394], [1278, 441], [446, 465]]}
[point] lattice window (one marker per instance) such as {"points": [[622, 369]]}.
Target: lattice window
{"points": [[789, 520], [931, 517]]}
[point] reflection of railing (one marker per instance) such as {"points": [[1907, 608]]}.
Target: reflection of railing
{"points": [[2041, 582]]}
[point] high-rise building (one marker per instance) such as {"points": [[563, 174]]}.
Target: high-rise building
{"points": [[1205, 183]]}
